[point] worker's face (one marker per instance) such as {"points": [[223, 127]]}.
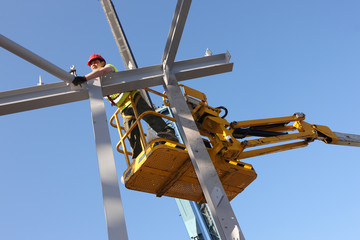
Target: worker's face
{"points": [[96, 64]]}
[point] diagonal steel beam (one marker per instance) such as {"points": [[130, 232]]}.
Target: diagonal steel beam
{"points": [[216, 198], [31, 57], [176, 30], [121, 41], [119, 35], [60, 93], [221, 210]]}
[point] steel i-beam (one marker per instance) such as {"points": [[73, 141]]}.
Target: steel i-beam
{"points": [[121, 41], [31, 57], [221, 210], [59, 93], [114, 212]]}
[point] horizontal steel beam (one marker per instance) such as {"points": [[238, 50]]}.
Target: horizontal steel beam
{"points": [[60, 93], [39, 97], [153, 75]]}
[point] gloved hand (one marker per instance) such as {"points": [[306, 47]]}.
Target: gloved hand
{"points": [[79, 80]]}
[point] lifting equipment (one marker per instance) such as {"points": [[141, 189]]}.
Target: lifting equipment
{"points": [[164, 167]]}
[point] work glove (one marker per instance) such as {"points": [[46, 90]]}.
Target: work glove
{"points": [[79, 80]]}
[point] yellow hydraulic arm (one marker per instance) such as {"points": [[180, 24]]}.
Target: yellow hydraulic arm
{"points": [[244, 139]]}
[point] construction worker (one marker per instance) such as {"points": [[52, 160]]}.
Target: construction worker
{"points": [[99, 68]]}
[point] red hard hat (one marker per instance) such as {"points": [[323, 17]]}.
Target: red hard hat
{"points": [[96, 56]]}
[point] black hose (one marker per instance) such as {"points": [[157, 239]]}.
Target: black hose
{"points": [[223, 108]]}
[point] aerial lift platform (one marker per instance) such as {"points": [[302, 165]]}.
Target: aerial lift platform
{"points": [[164, 167]]}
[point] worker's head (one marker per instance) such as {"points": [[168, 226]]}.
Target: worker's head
{"points": [[96, 61]]}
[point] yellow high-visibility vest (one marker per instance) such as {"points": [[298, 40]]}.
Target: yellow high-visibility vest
{"points": [[119, 98]]}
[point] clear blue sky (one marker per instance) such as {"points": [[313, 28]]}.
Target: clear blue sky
{"points": [[289, 56]]}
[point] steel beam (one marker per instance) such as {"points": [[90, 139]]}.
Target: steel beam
{"points": [[175, 33], [121, 41], [153, 75], [119, 34], [221, 210], [35, 59], [41, 96], [59, 93], [114, 212], [347, 139]]}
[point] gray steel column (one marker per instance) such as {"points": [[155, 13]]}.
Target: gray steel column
{"points": [[114, 212], [35, 59], [213, 190]]}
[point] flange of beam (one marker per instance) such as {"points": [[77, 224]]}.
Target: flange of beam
{"points": [[59, 93]]}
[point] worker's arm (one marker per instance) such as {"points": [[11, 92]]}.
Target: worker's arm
{"points": [[94, 74], [99, 72]]}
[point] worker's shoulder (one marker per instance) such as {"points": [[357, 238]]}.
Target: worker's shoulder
{"points": [[110, 65]]}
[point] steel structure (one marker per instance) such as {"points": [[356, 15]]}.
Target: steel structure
{"points": [[199, 223], [168, 74]]}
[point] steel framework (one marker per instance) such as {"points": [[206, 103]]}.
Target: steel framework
{"points": [[168, 74]]}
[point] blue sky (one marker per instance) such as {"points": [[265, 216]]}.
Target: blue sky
{"points": [[289, 56]]}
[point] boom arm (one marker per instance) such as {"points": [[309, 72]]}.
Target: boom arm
{"points": [[282, 133]]}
